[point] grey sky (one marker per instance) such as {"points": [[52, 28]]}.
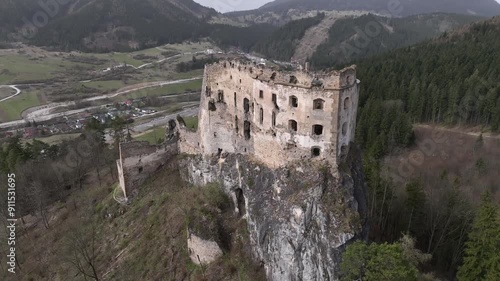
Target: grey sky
{"points": [[233, 5]]}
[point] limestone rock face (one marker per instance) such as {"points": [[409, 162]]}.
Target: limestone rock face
{"points": [[299, 218], [202, 251]]}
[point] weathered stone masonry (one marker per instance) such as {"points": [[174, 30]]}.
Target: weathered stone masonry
{"points": [[265, 137], [277, 117], [274, 117]]}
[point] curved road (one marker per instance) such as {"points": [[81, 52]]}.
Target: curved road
{"points": [[14, 87], [43, 113]]}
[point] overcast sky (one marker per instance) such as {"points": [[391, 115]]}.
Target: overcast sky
{"points": [[233, 5], [236, 5]]}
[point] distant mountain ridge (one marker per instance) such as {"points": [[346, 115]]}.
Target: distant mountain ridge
{"points": [[103, 24], [346, 40], [402, 8]]}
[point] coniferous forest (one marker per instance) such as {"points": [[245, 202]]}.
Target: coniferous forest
{"points": [[281, 43], [452, 80]]}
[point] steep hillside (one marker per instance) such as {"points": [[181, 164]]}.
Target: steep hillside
{"points": [[406, 7], [331, 39], [354, 38], [90, 236], [281, 44], [106, 24]]}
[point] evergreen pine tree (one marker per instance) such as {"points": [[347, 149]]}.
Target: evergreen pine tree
{"points": [[481, 261]]}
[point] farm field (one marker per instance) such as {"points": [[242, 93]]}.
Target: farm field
{"points": [[162, 91], [5, 92], [11, 109]]}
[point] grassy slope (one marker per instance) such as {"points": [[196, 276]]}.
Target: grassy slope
{"points": [[5, 92], [11, 109], [180, 88], [152, 136], [142, 241]]}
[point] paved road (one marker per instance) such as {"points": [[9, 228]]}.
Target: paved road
{"points": [[163, 120], [14, 87]]}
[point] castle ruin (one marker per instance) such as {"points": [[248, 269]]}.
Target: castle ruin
{"points": [[264, 137], [275, 117]]}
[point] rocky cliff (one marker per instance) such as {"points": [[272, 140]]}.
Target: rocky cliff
{"points": [[299, 218]]}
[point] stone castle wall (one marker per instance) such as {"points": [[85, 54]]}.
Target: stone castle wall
{"points": [[139, 160], [277, 117], [273, 117]]}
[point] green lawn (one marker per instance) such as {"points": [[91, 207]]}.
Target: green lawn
{"points": [[11, 109], [187, 75], [5, 92], [120, 58], [152, 136], [194, 85], [191, 122], [105, 85], [22, 67]]}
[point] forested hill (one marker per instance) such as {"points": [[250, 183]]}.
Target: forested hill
{"points": [[351, 39], [282, 43], [406, 7], [453, 80], [107, 25]]}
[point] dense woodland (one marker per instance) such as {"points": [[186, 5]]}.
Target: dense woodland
{"points": [[450, 80], [351, 39], [282, 43], [195, 63], [244, 38]]}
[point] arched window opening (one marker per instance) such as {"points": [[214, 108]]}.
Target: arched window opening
{"points": [[318, 104], [247, 130], [211, 106], [293, 126], [293, 80], [317, 130], [344, 129], [246, 105], [261, 115], [316, 152], [347, 103], [273, 76], [220, 96], [294, 101]]}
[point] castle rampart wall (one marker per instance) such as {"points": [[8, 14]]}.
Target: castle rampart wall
{"points": [[277, 116]]}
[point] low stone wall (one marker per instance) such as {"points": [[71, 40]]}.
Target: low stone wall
{"points": [[139, 161]]}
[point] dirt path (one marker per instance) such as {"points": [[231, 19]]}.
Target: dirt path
{"points": [[474, 132], [313, 37]]}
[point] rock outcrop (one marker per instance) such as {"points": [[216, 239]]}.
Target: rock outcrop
{"points": [[299, 218], [202, 251]]}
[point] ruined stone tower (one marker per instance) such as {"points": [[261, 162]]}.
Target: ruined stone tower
{"points": [[277, 117]]}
